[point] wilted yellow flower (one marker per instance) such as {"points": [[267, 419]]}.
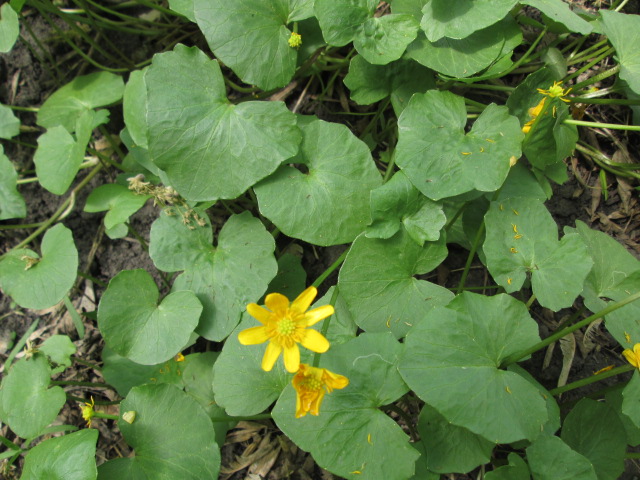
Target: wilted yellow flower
{"points": [[310, 384], [555, 91], [88, 412], [533, 113], [633, 356], [285, 325], [295, 40]]}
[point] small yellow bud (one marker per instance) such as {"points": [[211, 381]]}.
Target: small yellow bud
{"points": [[295, 40]]}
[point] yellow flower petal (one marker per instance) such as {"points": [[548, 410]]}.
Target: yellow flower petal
{"points": [[271, 354], [253, 336], [261, 314], [304, 300], [314, 341], [334, 381], [314, 316], [631, 357], [277, 303], [292, 358]]}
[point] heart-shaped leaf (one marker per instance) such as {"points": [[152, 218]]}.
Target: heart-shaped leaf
{"points": [[171, 434], [623, 31], [561, 12], [211, 149], [68, 103], [71, 457], [11, 202], [251, 36], [9, 123], [9, 27], [522, 239], [452, 361], [118, 200], [40, 282], [225, 278], [441, 160], [335, 191], [135, 326], [377, 447], [28, 404], [552, 459], [378, 282]]}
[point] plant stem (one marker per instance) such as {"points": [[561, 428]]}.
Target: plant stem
{"points": [[72, 383], [260, 416], [592, 379], [330, 270], [472, 254], [325, 325], [597, 78], [613, 126], [556, 336]]}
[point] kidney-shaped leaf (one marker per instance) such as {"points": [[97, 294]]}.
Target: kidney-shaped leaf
{"points": [[377, 281], [71, 457], [118, 200], [225, 278], [9, 123], [351, 437], [135, 326], [28, 404], [82, 94], [209, 148], [452, 361], [9, 27], [522, 238], [40, 282], [251, 36], [172, 436], [552, 459], [623, 31], [12, 204], [440, 159], [334, 193], [461, 18], [379, 40], [560, 12]]}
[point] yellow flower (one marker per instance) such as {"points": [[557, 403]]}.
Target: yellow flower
{"points": [[285, 325], [295, 40], [533, 113], [555, 91], [310, 384], [633, 356], [88, 412]]}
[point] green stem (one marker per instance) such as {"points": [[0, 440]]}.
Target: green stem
{"points": [[449, 224], [95, 280], [85, 363], [612, 126], [605, 101], [72, 383], [98, 414], [22, 226], [530, 301], [557, 336], [596, 78], [8, 443], [472, 254], [325, 325], [592, 379], [330, 270], [389, 172], [260, 416]]}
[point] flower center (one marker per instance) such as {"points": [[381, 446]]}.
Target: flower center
{"points": [[313, 384], [286, 327]]}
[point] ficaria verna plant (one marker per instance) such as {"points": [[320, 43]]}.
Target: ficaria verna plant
{"points": [[404, 134]]}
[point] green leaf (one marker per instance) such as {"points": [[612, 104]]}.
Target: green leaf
{"points": [[135, 326], [623, 32], [59, 349], [209, 148], [49, 278], [118, 200], [183, 7], [452, 361], [461, 18], [398, 204], [450, 448], [377, 447], [71, 457], [552, 459], [59, 154], [225, 278], [68, 103], [379, 40], [516, 470], [631, 399], [560, 12], [594, 430], [522, 239], [134, 107], [12, 204], [400, 79], [171, 434], [291, 277], [28, 404], [341, 173], [240, 385], [614, 400], [9, 123], [378, 282], [465, 57], [440, 159], [9, 28], [251, 37]]}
